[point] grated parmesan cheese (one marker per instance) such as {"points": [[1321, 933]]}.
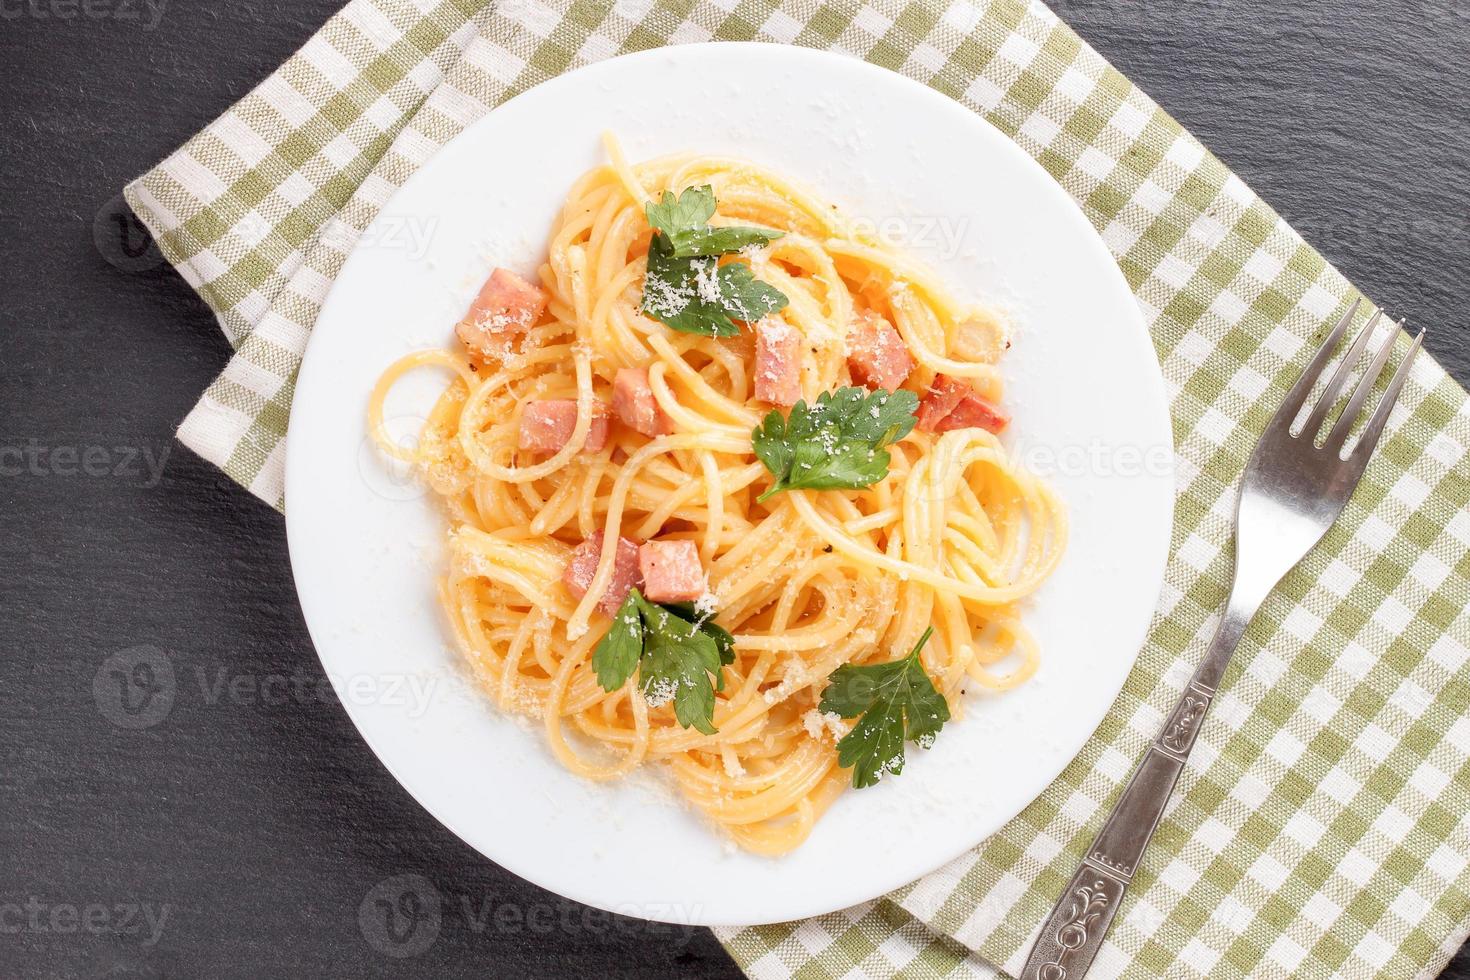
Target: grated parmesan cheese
{"points": [[707, 283], [660, 693]]}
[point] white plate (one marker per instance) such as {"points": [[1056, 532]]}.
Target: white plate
{"points": [[1084, 386]]}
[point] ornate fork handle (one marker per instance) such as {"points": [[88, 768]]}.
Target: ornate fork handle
{"points": [[1073, 933]]}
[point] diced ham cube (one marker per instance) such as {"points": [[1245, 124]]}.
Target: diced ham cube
{"points": [[583, 568], [507, 304], [953, 404], [634, 404], [974, 412], [943, 395], [876, 354], [671, 571], [547, 424], [777, 363]]}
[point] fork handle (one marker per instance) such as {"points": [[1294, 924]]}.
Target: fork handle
{"points": [[1073, 933]]}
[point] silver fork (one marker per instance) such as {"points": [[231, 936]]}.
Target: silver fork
{"points": [[1292, 492]]}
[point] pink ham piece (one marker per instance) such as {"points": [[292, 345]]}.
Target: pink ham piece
{"points": [[943, 395], [583, 568], [876, 354], [777, 363], [974, 412], [507, 304], [671, 571], [547, 424], [634, 404], [953, 404]]}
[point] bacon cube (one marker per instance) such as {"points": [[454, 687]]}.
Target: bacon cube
{"points": [[547, 424], [876, 354], [506, 304], [671, 571], [943, 395], [777, 363], [634, 404], [974, 412], [583, 568]]}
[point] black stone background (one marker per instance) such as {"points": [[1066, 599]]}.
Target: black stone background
{"points": [[264, 823]]}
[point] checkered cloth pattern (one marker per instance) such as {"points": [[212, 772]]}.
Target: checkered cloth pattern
{"points": [[1322, 827]]}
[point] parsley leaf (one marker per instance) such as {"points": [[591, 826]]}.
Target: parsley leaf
{"points": [[679, 657], [678, 664], [745, 297], [836, 443], [897, 702], [618, 651], [691, 209], [684, 222], [686, 287], [724, 642], [699, 295]]}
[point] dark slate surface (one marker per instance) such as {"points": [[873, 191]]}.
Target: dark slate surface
{"points": [[242, 834]]}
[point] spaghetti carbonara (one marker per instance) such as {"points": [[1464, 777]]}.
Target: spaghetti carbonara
{"points": [[711, 474]]}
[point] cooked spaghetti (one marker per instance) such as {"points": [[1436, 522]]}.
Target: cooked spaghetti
{"points": [[578, 430]]}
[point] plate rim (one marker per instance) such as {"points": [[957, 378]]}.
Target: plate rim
{"points": [[1137, 331]]}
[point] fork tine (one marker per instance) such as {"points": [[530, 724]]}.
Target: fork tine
{"points": [[1345, 369], [1297, 396], [1374, 428], [1344, 424]]}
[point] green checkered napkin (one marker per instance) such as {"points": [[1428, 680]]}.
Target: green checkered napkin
{"points": [[1322, 827]]}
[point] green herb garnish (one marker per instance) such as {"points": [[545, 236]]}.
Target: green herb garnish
{"points": [[684, 222], [686, 288], [836, 443], [679, 656], [897, 702]]}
